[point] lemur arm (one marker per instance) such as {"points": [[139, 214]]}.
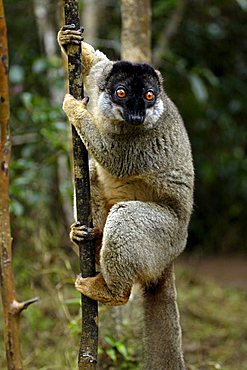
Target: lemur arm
{"points": [[84, 123]]}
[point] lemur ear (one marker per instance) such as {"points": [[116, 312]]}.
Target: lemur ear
{"points": [[160, 77], [106, 70]]}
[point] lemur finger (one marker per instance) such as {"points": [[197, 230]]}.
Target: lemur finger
{"points": [[82, 232], [85, 100], [75, 239], [69, 38], [69, 35], [71, 28], [72, 32]]}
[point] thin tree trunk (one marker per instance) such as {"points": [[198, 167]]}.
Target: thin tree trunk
{"points": [[90, 19], [87, 359], [11, 308], [136, 30]]}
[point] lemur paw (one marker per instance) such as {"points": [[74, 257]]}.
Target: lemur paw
{"points": [[69, 35], [71, 105], [68, 101], [80, 233], [97, 289]]}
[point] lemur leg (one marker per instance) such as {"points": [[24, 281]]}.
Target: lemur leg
{"points": [[131, 224], [97, 289]]}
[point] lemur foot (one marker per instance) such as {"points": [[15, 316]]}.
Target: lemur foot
{"points": [[96, 288], [69, 35], [80, 233]]}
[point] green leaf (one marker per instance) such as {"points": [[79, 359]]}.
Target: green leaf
{"points": [[112, 354], [122, 349], [110, 341]]}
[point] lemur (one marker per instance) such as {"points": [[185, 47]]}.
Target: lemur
{"points": [[142, 191]]}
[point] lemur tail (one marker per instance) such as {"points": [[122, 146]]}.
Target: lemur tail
{"points": [[162, 333]]}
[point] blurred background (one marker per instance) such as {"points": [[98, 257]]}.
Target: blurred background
{"points": [[201, 49]]}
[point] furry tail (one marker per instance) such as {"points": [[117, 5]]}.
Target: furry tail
{"points": [[162, 332]]}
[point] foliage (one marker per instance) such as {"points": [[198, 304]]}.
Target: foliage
{"points": [[205, 73]]}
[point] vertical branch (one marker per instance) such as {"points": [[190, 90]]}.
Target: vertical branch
{"points": [[136, 30], [11, 320], [90, 19], [89, 339], [11, 308]]}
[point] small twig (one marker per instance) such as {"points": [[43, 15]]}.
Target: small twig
{"points": [[18, 307]]}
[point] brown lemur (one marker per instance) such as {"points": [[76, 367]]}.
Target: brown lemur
{"points": [[142, 191]]}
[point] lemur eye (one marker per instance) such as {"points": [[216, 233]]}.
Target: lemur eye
{"points": [[121, 93], [149, 95]]}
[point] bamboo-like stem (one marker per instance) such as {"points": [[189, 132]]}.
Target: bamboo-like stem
{"points": [[11, 308], [136, 30], [87, 359]]}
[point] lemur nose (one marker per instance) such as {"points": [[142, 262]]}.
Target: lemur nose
{"points": [[135, 119]]}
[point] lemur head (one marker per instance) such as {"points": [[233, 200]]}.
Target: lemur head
{"points": [[132, 94]]}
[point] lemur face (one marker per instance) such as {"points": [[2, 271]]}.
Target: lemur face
{"points": [[134, 89]]}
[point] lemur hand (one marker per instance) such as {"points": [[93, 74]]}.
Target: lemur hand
{"points": [[69, 35]]}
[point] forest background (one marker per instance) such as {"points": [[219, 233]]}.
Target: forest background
{"points": [[200, 47]]}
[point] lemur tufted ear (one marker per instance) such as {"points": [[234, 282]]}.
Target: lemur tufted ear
{"points": [[160, 77]]}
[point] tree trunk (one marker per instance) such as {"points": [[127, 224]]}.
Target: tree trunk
{"points": [[136, 30], [11, 308], [11, 318], [87, 359], [90, 20]]}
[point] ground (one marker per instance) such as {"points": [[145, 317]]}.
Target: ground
{"points": [[212, 296]]}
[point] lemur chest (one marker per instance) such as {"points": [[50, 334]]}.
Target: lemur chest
{"points": [[122, 189]]}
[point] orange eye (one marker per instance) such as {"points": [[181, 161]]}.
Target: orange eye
{"points": [[149, 95], [121, 93]]}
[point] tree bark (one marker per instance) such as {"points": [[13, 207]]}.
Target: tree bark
{"points": [[11, 308], [136, 30], [90, 19], [87, 359]]}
